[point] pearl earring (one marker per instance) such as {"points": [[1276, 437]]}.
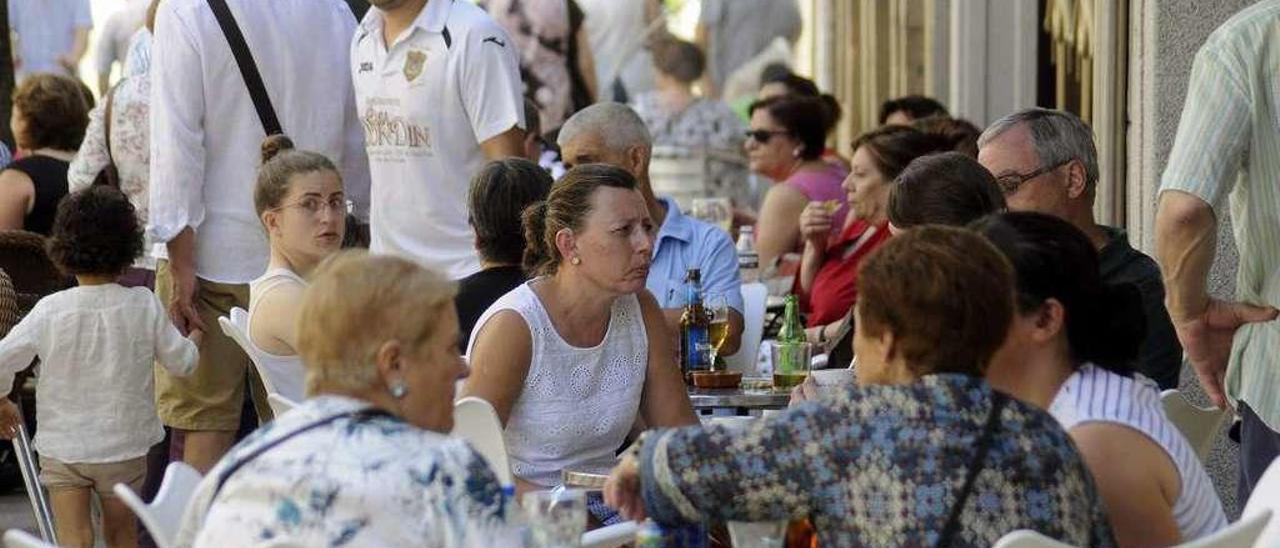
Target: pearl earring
{"points": [[399, 389], [575, 261], [795, 152]]}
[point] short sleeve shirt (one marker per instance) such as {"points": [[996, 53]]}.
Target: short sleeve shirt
{"points": [[448, 83], [46, 29], [683, 243], [1226, 153]]}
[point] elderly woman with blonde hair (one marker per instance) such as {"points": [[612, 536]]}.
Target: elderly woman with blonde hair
{"points": [[367, 459]]}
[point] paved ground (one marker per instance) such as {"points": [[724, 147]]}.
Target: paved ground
{"points": [[15, 511]]}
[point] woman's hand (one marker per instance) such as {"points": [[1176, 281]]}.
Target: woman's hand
{"points": [[815, 224], [622, 489], [805, 391], [10, 419]]}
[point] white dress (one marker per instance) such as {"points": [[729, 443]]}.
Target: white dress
{"points": [[1093, 394], [577, 404]]}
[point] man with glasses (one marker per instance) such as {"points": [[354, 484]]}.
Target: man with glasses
{"points": [[1045, 161]]}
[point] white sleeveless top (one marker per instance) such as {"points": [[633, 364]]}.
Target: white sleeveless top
{"points": [[1094, 394], [577, 404], [287, 375]]}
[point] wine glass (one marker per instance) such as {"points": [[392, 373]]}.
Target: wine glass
{"points": [[716, 211], [717, 305]]}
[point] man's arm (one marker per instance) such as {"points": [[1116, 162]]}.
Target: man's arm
{"points": [[491, 92], [507, 144]]}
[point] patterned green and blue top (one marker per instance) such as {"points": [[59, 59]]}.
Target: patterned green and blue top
{"points": [[881, 466]]}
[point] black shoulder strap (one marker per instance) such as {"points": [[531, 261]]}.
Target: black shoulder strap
{"points": [[980, 455], [248, 69]]}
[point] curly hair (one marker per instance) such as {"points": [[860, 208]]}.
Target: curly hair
{"points": [[96, 232], [54, 109]]}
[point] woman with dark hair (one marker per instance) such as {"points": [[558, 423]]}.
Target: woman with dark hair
{"points": [[922, 452], [498, 197], [959, 134], [828, 270], [946, 188], [1069, 352], [300, 200], [571, 359], [677, 117], [785, 144], [48, 122], [779, 81]]}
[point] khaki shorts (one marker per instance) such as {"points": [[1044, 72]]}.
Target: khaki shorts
{"points": [[101, 477], [210, 399]]}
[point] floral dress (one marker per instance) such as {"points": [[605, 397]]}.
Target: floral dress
{"points": [[882, 466], [360, 478]]}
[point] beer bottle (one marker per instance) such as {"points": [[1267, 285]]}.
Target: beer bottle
{"points": [[695, 339]]}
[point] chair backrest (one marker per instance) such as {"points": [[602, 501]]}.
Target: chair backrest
{"points": [[611, 536], [680, 174], [163, 515], [280, 404], [754, 296], [1025, 538], [1241, 534], [1199, 425], [475, 420], [1266, 496], [17, 538]]}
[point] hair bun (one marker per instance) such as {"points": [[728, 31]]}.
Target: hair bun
{"points": [[273, 145]]}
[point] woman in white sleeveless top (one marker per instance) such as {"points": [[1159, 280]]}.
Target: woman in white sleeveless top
{"points": [[571, 359], [1071, 351], [300, 200]]}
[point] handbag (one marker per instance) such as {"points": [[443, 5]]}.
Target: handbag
{"points": [[110, 174], [357, 233]]}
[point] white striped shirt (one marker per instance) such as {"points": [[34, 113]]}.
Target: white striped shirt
{"points": [[1093, 394], [1228, 146]]}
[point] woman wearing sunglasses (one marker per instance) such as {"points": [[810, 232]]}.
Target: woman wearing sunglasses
{"points": [[785, 143]]}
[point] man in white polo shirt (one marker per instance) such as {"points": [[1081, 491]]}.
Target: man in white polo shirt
{"points": [[438, 89]]}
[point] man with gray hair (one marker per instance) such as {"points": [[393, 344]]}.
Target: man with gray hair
{"points": [[612, 133], [1045, 161]]}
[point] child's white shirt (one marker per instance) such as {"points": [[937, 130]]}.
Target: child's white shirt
{"points": [[95, 396]]}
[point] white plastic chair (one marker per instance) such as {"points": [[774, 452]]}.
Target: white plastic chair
{"points": [[280, 404], [1266, 496], [17, 538], [680, 174], [1241, 534], [1198, 424], [754, 296], [611, 536], [162, 516], [475, 420], [237, 327]]}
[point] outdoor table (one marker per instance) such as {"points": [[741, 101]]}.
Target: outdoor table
{"points": [[737, 398]]}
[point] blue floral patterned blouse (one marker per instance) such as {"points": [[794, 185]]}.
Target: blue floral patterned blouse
{"points": [[360, 480], [881, 466]]}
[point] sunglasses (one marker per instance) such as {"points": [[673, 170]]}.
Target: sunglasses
{"points": [[762, 136]]}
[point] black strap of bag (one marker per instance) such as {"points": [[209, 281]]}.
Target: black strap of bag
{"points": [[248, 68], [110, 174], [980, 455]]}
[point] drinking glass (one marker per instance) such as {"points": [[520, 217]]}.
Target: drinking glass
{"points": [[716, 211], [557, 517], [790, 363], [717, 305], [757, 534]]}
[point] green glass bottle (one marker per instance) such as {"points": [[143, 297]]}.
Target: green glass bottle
{"points": [[792, 347]]}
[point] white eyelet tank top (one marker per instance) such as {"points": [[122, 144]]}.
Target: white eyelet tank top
{"points": [[1093, 394], [286, 374], [577, 404]]}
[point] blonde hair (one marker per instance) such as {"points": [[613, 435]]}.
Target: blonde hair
{"points": [[354, 304]]}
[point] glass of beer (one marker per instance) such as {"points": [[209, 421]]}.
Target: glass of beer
{"points": [[790, 363], [717, 305]]}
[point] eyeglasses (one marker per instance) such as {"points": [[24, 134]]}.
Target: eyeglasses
{"points": [[313, 205], [1010, 183], [762, 136]]}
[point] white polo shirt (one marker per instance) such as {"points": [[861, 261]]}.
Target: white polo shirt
{"points": [[448, 83]]}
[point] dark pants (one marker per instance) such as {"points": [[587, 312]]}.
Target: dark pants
{"points": [[1259, 445]]}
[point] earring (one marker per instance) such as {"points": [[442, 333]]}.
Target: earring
{"points": [[575, 261], [399, 389], [795, 152]]}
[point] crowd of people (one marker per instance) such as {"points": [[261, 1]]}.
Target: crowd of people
{"points": [[1007, 349]]}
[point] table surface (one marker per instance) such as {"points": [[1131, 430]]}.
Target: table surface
{"points": [[708, 398]]}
